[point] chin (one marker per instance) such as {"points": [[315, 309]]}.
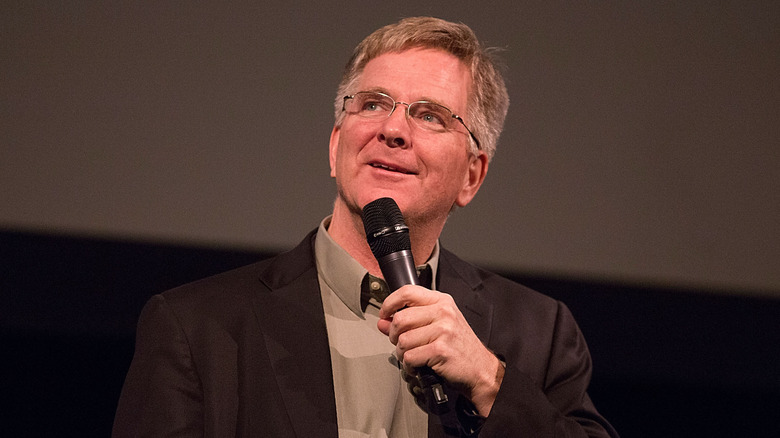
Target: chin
{"points": [[356, 201], [375, 194]]}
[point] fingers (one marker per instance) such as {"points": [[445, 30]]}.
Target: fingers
{"points": [[428, 329], [384, 325], [398, 300], [411, 307], [415, 388], [408, 296], [422, 339], [409, 319], [419, 321]]}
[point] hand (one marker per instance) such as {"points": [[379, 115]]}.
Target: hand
{"points": [[428, 329], [413, 384]]}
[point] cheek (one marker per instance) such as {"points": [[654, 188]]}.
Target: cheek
{"points": [[357, 133], [453, 176], [448, 167], [352, 140]]}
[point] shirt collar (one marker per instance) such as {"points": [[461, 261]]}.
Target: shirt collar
{"points": [[343, 274]]}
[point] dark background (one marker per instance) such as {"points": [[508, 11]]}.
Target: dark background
{"points": [[143, 145], [667, 362]]}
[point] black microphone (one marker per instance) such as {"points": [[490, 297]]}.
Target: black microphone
{"points": [[388, 237]]}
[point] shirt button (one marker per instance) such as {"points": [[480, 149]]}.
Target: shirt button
{"points": [[375, 285]]}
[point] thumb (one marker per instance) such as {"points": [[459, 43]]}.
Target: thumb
{"points": [[384, 325]]}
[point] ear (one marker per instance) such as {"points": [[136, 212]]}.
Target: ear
{"points": [[472, 181], [333, 148]]}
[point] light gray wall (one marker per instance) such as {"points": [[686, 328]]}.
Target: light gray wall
{"points": [[641, 145]]}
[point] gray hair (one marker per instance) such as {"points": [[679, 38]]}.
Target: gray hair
{"points": [[489, 101]]}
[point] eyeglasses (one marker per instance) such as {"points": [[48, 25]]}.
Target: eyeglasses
{"points": [[426, 115]]}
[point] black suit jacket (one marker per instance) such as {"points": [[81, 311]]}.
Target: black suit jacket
{"points": [[245, 353]]}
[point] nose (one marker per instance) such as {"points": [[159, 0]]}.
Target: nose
{"points": [[395, 130]]}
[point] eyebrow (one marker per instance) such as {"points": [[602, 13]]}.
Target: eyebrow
{"points": [[378, 90], [421, 99]]}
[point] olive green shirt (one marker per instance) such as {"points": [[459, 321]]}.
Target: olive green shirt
{"points": [[372, 400]]}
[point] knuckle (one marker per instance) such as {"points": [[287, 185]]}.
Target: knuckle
{"points": [[400, 343], [399, 319]]}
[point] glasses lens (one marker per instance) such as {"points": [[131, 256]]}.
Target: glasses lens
{"points": [[426, 115], [431, 116], [367, 104]]}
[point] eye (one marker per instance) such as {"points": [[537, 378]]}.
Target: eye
{"points": [[372, 102], [432, 118], [371, 105], [430, 115]]}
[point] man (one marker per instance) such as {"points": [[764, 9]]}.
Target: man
{"points": [[310, 343]]}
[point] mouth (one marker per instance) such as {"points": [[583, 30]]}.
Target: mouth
{"points": [[390, 168]]}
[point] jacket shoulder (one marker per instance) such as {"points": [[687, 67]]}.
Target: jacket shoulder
{"points": [[494, 287], [237, 287]]}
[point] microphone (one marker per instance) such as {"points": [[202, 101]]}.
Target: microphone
{"points": [[388, 237]]}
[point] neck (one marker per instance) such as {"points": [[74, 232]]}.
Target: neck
{"points": [[346, 229]]}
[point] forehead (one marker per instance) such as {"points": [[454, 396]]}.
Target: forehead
{"points": [[419, 74]]}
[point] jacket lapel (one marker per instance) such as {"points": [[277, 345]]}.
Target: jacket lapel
{"points": [[462, 282], [293, 324]]}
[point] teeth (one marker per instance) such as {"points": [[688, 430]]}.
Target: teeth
{"points": [[382, 166]]}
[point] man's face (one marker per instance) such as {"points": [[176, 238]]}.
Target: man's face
{"points": [[427, 173]]}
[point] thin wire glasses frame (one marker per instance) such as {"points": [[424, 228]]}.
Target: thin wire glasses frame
{"points": [[428, 115]]}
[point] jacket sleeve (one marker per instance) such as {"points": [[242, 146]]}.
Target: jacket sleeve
{"points": [[555, 405], [162, 394]]}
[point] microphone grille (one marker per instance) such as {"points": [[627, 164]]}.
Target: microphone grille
{"points": [[386, 231]]}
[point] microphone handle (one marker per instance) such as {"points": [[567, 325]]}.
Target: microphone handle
{"points": [[398, 270]]}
